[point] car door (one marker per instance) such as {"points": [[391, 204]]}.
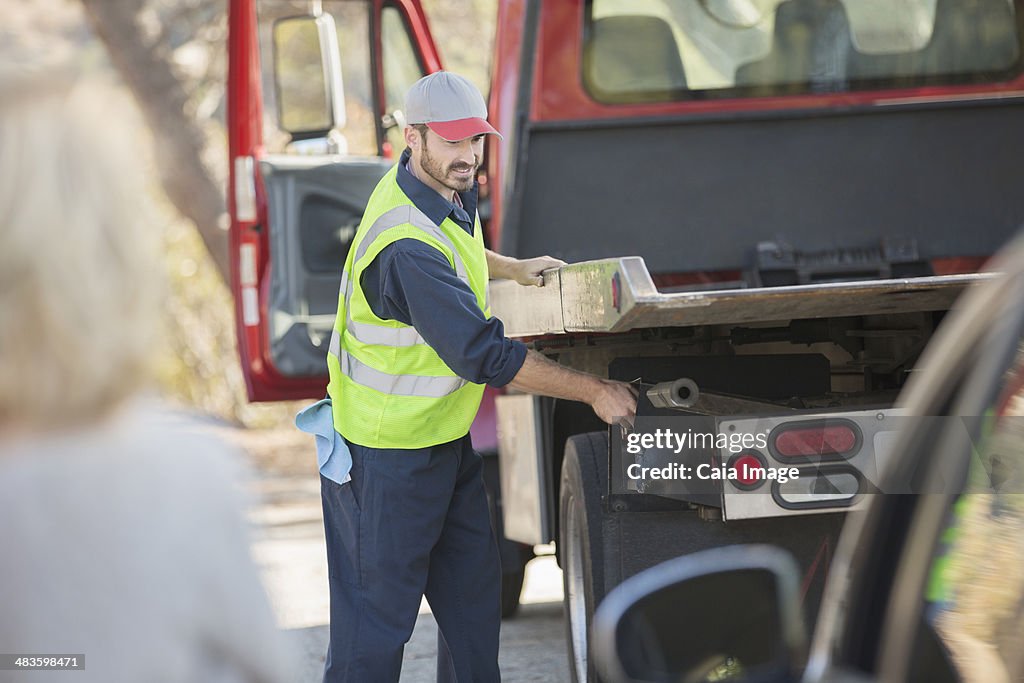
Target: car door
{"points": [[929, 584], [314, 121]]}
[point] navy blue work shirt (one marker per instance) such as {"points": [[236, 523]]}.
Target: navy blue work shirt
{"points": [[413, 283]]}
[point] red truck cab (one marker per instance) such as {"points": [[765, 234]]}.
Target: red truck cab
{"points": [[732, 131]]}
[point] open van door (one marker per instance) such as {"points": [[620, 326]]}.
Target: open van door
{"points": [[333, 74]]}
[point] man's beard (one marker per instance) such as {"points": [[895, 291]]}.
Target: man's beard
{"points": [[433, 168]]}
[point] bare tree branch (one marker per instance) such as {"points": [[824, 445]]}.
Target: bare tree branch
{"points": [[161, 96]]}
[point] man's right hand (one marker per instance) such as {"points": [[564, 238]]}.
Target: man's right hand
{"points": [[615, 402]]}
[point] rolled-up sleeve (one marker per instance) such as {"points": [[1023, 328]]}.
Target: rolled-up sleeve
{"points": [[412, 282]]}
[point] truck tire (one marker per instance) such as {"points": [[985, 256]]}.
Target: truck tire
{"points": [[584, 480]]}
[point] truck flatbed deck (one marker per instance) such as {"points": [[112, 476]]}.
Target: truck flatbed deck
{"points": [[618, 294]]}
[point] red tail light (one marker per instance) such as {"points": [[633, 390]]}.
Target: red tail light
{"points": [[816, 439], [747, 466]]}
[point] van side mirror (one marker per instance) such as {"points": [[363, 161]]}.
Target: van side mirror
{"points": [[307, 76], [725, 614]]}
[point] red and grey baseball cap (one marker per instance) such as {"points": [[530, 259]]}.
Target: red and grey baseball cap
{"points": [[449, 105]]}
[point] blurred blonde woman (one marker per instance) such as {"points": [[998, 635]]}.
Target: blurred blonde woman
{"points": [[121, 538]]}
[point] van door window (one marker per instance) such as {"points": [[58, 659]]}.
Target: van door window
{"points": [[358, 134], [402, 68]]}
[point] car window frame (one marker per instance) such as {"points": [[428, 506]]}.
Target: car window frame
{"points": [[872, 607], [981, 387]]}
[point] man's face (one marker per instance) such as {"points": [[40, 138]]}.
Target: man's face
{"points": [[452, 165]]}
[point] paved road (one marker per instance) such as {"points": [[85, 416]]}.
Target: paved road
{"points": [[290, 553]]}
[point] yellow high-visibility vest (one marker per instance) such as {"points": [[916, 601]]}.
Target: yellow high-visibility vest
{"points": [[389, 388]]}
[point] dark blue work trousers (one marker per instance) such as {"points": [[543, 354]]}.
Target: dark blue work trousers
{"points": [[411, 523]]}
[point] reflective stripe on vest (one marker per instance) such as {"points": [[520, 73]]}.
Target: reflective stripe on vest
{"points": [[367, 333], [375, 334], [386, 335], [401, 385], [408, 214]]}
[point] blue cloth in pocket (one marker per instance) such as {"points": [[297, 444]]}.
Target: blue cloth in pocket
{"points": [[332, 455]]}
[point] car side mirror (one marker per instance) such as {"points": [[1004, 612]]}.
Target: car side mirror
{"points": [[725, 614], [307, 76]]}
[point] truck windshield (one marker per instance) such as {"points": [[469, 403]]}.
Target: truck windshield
{"points": [[661, 50]]}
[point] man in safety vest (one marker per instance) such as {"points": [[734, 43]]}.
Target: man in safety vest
{"points": [[414, 343]]}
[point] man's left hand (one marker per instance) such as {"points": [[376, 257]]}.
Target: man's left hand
{"points": [[528, 271]]}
